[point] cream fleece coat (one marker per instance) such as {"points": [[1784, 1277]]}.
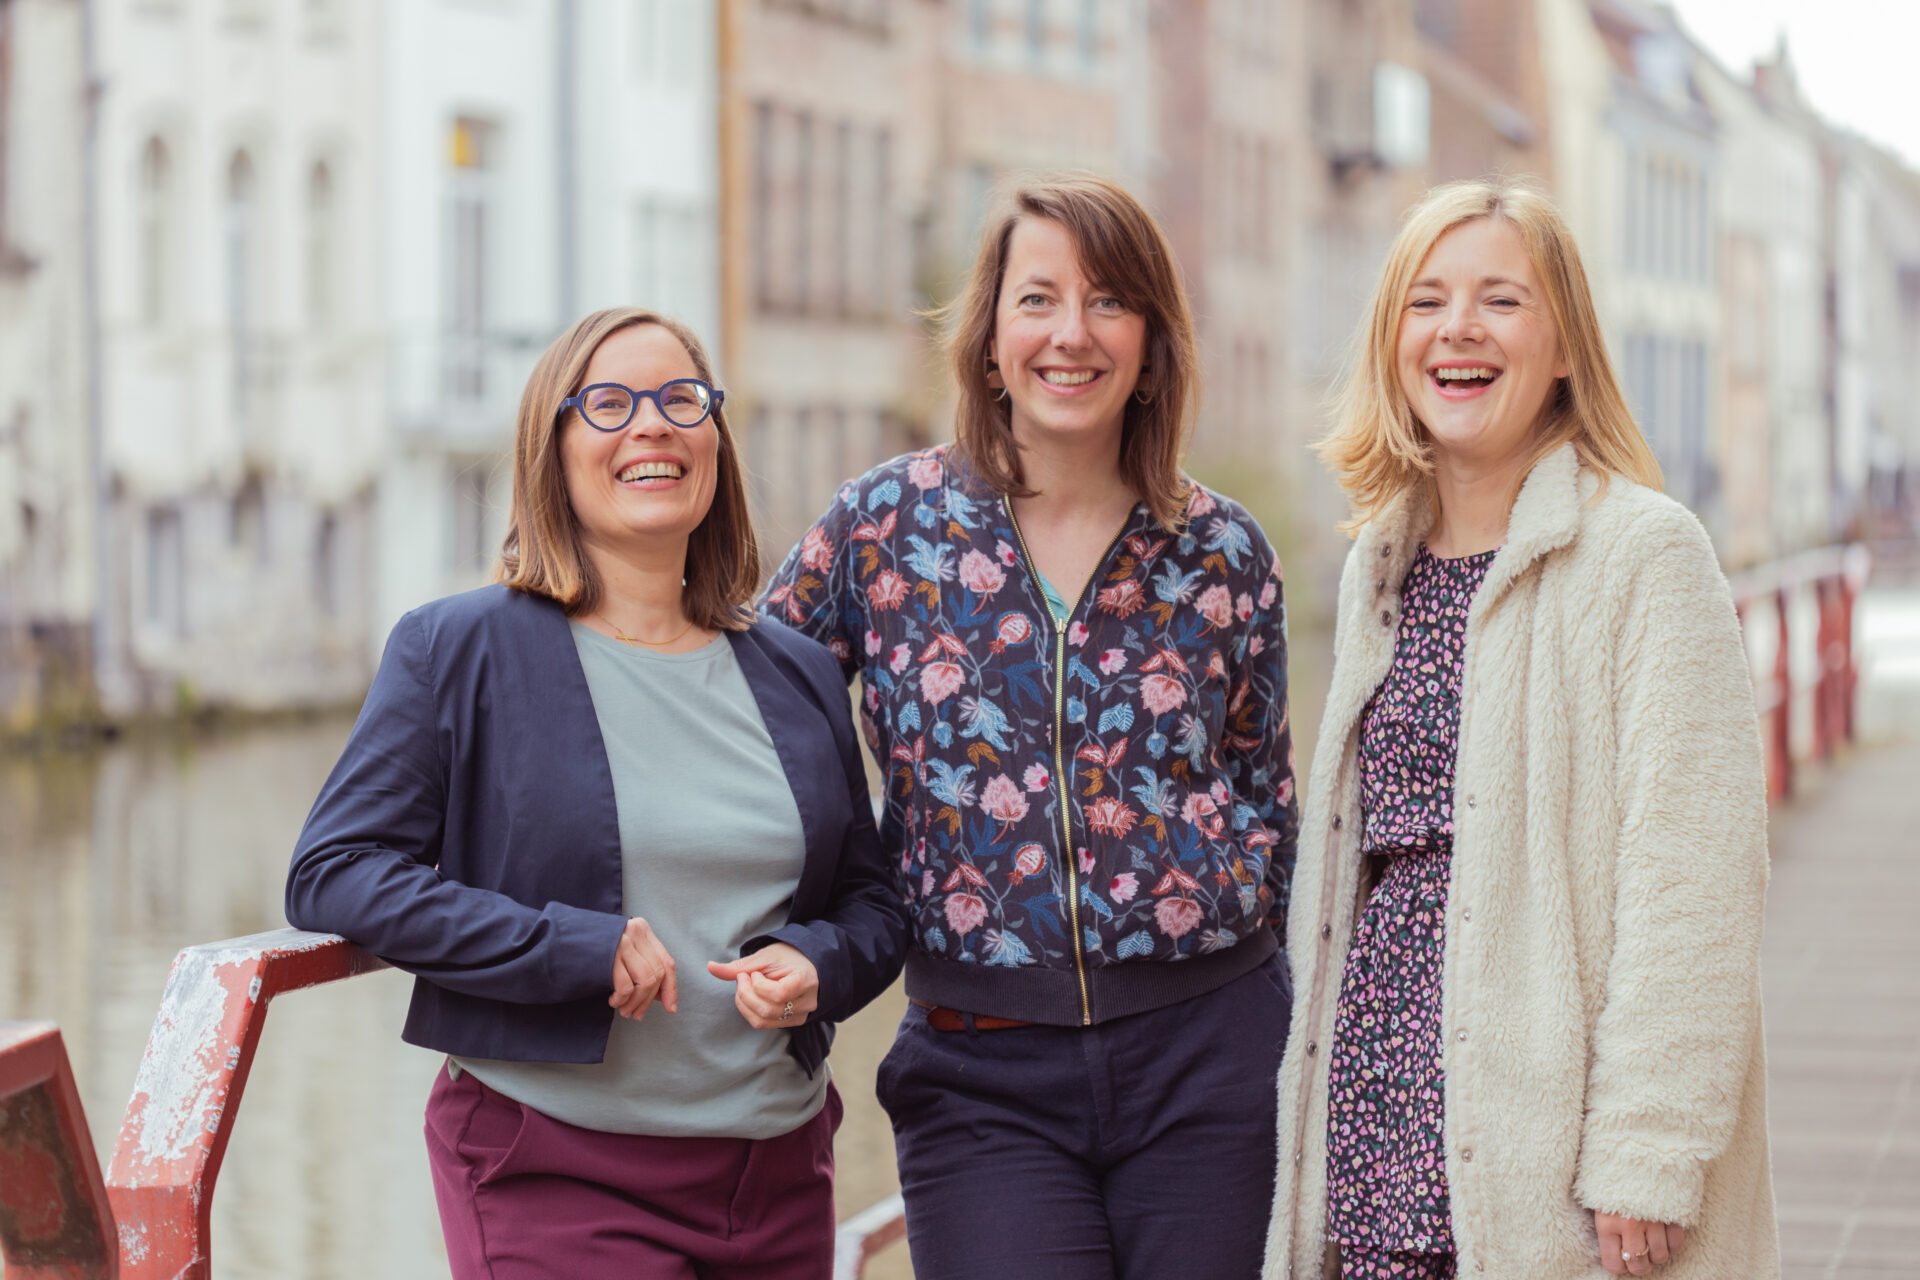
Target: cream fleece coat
{"points": [[1601, 993]]}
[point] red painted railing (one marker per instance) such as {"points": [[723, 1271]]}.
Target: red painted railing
{"points": [[150, 1218], [54, 1220], [1772, 600]]}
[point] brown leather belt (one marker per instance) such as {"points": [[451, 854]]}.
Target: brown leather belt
{"points": [[941, 1018]]}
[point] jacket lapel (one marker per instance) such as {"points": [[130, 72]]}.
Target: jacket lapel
{"points": [[806, 751], [1545, 517]]}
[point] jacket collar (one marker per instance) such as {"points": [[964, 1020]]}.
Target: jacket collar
{"points": [[1545, 517]]}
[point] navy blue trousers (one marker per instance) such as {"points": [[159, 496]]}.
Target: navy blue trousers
{"points": [[1133, 1150]]}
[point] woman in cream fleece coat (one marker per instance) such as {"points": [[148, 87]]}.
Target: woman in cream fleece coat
{"points": [[1599, 1028]]}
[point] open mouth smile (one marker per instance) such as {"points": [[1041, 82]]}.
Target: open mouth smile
{"points": [[1463, 381], [656, 474], [1069, 380]]}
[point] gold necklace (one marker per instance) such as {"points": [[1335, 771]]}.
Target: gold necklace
{"points": [[624, 638]]}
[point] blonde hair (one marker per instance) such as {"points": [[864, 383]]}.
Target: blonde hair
{"points": [[543, 552], [1123, 249], [1379, 450]]}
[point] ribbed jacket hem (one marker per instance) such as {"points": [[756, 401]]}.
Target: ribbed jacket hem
{"points": [[1052, 996]]}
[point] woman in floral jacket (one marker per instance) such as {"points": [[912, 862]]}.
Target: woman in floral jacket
{"points": [[1073, 670]]}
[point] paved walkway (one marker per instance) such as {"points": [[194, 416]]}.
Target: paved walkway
{"points": [[1842, 973]]}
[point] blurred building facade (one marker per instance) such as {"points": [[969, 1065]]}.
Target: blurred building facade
{"points": [[825, 144], [47, 543], [238, 365], [268, 307]]}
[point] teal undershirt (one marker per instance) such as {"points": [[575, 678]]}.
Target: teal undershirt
{"points": [[1055, 605]]}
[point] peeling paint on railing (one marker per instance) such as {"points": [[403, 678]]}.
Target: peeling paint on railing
{"points": [[189, 1085]]}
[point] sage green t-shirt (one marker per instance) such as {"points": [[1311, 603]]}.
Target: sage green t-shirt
{"points": [[712, 848]]}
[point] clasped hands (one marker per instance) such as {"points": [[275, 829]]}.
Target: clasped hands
{"points": [[1629, 1246], [763, 983]]}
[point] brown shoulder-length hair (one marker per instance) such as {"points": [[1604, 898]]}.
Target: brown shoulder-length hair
{"points": [[1123, 248], [542, 553], [1379, 450]]}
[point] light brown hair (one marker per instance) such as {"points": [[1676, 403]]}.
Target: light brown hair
{"points": [[543, 552], [1122, 248], [1379, 450]]}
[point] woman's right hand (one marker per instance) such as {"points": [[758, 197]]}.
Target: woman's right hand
{"points": [[642, 973]]}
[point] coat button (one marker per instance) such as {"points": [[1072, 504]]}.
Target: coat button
{"points": [[1313, 1046], [1462, 1037], [1326, 931], [1336, 822], [1385, 552], [1381, 585], [1467, 1155], [1386, 617], [1470, 803], [1466, 916]]}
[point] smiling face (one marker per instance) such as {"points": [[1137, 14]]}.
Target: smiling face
{"points": [[1477, 352], [1068, 350], [649, 485]]}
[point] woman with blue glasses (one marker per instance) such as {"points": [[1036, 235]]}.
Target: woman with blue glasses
{"points": [[570, 788]]}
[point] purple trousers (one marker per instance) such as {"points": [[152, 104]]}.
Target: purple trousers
{"points": [[523, 1195]]}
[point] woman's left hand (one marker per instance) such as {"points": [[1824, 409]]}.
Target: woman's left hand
{"points": [[1650, 1244], [774, 988]]}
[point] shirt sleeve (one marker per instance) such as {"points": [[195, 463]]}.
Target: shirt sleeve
{"points": [[1259, 746], [366, 865], [814, 590], [1674, 1041]]}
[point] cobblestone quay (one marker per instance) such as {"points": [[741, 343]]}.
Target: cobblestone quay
{"points": [[1842, 975]]}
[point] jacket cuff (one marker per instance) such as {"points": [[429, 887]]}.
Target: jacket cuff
{"points": [[585, 944], [1634, 1177]]}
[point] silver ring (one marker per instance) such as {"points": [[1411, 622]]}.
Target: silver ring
{"points": [[787, 1012]]}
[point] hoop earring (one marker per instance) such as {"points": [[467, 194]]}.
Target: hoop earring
{"points": [[1141, 397], [1000, 392]]}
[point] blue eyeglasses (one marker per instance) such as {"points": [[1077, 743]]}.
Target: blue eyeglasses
{"points": [[610, 406]]}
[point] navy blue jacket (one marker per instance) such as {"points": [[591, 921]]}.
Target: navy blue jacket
{"points": [[468, 834]]}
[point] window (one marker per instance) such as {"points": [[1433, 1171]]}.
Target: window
{"points": [[1037, 32], [1630, 221], [472, 156], [801, 211], [326, 565], [247, 530], [881, 237], [763, 183], [242, 249], [979, 23], [155, 231], [320, 248], [840, 218], [1089, 34], [800, 473], [166, 577]]}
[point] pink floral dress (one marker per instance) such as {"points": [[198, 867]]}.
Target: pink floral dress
{"points": [[1386, 1166]]}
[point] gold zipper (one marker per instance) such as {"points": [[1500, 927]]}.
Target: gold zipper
{"points": [[1060, 737]]}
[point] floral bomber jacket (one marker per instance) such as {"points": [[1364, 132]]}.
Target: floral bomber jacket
{"points": [[1071, 808]]}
